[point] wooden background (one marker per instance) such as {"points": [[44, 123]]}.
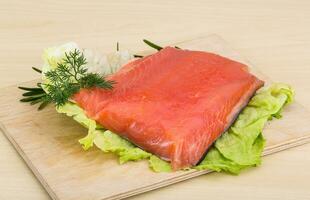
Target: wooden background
{"points": [[273, 35]]}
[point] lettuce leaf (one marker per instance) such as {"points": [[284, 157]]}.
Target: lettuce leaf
{"points": [[239, 147], [159, 165], [242, 145]]}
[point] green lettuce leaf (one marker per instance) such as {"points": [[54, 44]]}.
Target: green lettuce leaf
{"points": [[108, 141], [159, 165], [133, 154], [239, 147], [242, 145]]}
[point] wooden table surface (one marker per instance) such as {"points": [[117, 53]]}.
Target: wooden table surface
{"points": [[273, 34]]}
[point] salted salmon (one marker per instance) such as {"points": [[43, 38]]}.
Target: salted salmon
{"points": [[174, 103]]}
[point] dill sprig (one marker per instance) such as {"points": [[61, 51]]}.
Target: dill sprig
{"points": [[70, 76], [64, 81]]}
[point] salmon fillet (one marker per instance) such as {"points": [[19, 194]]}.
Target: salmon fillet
{"points": [[174, 103]]}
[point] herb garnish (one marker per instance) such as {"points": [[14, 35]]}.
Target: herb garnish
{"points": [[35, 95], [153, 45], [70, 76], [64, 81]]}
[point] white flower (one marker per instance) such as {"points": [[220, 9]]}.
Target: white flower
{"points": [[106, 64]]}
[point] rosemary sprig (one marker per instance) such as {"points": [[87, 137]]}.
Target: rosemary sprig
{"points": [[43, 105], [149, 43], [30, 89], [35, 95], [37, 70], [153, 45], [137, 56]]}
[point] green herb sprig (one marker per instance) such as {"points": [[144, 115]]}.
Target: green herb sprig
{"points": [[70, 76], [155, 46], [36, 94], [152, 45], [64, 81]]}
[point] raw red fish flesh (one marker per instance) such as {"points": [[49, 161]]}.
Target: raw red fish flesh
{"points": [[174, 103]]}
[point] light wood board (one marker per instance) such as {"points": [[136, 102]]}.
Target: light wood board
{"points": [[48, 143]]}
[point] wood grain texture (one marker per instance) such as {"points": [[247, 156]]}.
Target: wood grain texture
{"points": [[48, 143], [273, 34]]}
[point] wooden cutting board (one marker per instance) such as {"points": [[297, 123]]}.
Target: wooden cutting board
{"points": [[48, 142]]}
